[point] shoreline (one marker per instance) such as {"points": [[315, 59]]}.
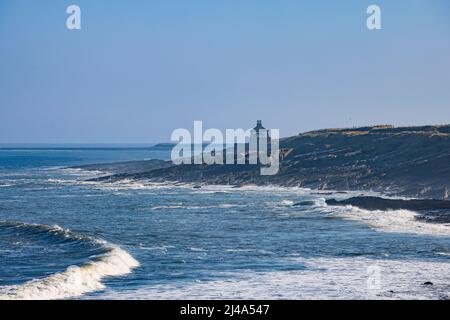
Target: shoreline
{"points": [[428, 210], [408, 162]]}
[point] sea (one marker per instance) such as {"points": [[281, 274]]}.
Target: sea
{"points": [[65, 237]]}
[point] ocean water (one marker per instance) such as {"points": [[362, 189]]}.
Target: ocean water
{"points": [[64, 237]]}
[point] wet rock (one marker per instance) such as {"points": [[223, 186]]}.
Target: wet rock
{"points": [[377, 203], [303, 203], [405, 161]]}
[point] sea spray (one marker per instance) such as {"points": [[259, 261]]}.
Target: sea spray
{"points": [[75, 280]]}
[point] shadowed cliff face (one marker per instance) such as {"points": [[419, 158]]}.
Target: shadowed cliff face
{"points": [[410, 161]]}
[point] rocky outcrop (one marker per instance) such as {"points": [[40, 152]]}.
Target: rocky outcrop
{"points": [[429, 210], [408, 161], [377, 203]]}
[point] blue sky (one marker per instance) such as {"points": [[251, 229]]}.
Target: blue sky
{"points": [[139, 69]]}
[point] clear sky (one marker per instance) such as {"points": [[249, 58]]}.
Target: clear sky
{"points": [[139, 69]]}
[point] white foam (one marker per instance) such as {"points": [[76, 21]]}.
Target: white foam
{"points": [[199, 207], [71, 182], [134, 185], [174, 206], [82, 172], [5, 185], [239, 250], [447, 254], [323, 278], [274, 188], [162, 248], [403, 221], [282, 203], [390, 221], [231, 205], [75, 280]]}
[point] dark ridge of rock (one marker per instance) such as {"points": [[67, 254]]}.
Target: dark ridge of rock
{"points": [[406, 161], [376, 203], [303, 203], [433, 211]]}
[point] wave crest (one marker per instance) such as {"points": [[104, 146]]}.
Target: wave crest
{"points": [[75, 280]]}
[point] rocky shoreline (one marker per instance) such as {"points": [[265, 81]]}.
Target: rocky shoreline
{"points": [[437, 211], [400, 162], [408, 161]]}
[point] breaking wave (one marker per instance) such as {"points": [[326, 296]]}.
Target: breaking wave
{"points": [[403, 221], [75, 280]]}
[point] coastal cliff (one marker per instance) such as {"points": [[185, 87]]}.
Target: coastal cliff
{"points": [[400, 161]]}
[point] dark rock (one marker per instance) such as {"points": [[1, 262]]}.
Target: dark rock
{"points": [[408, 161], [432, 211], [377, 203], [324, 193], [303, 203]]}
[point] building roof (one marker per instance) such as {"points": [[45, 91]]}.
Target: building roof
{"points": [[259, 126]]}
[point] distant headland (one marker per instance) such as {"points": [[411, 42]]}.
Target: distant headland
{"points": [[397, 161]]}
